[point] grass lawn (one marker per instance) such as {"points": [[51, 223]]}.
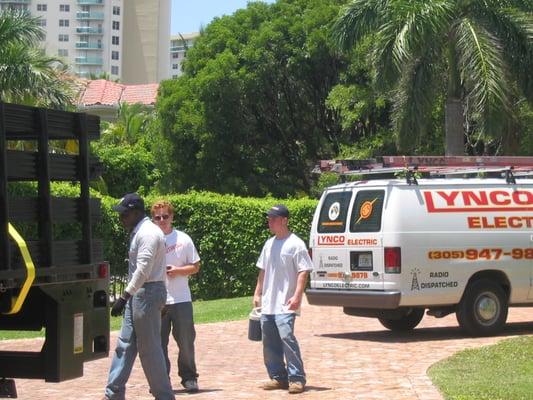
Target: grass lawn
{"points": [[212, 311], [503, 371], [204, 312]]}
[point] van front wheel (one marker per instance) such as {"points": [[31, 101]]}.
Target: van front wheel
{"points": [[405, 323], [483, 308]]}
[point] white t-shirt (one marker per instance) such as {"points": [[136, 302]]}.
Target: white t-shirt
{"points": [[282, 260], [180, 252]]}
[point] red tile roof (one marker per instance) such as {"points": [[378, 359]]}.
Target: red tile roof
{"points": [[145, 94], [102, 92]]}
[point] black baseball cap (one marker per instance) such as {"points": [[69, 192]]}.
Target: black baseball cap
{"points": [[131, 201], [278, 210]]}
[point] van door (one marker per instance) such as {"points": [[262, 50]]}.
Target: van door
{"points": [[365, 240], [330, 255], [530, 293], [347, 248]]}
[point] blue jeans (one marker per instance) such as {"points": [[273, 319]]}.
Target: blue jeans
{"points": [[179, 317], [279, 342], [141, 332]]}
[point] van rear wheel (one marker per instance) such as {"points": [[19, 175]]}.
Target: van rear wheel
{"points": [[405, 323], [483, 308]]}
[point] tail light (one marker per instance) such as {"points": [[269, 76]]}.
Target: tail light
{"points": [[393, 260], [310, 251], [103, 270]]}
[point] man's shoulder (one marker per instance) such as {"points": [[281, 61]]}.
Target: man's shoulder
{"points": [[294, 239], [149, 229], [269, 241], [182, 236]]}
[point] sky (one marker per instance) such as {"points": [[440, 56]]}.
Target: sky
{"points": [[189, 15]]}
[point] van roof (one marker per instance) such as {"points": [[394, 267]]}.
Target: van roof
{"points": [[454, 182]]}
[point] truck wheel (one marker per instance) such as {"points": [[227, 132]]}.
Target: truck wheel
{"points": [[483, 308], [406, 323]]}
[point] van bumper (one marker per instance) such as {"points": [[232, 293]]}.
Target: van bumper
{"points": [[385, 300]]}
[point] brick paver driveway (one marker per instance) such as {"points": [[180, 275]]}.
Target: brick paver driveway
{"points": [[345, 358]]}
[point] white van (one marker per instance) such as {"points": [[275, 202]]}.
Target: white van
{"points": [[391, 249]]}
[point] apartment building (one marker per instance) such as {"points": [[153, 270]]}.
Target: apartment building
{"points": [[124, 39], [179, 44]]}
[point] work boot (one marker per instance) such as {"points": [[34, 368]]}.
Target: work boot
{"points": [[191, 386], [275, 385], [296, 387]]}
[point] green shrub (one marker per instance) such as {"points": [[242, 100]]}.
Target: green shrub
{"points": [[228, 231]]}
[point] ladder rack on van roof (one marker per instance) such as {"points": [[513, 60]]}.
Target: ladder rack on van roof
{"points": [[507, 167]]}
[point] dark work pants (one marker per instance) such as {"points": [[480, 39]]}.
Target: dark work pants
{"points": [[178, 318]]}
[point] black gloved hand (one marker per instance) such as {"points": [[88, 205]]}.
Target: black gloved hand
{"points": [[164, 311], [119, 305]]}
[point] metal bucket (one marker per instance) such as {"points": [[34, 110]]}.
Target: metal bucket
{"points": [[254, 325]]}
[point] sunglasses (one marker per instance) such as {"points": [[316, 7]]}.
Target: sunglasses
{"points": [[161, 217]]}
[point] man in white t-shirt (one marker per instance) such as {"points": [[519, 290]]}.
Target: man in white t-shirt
{"points": [[284, 266], [182, 260]]}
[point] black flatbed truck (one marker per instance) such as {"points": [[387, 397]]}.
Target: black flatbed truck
{"points": [[59, 285]]}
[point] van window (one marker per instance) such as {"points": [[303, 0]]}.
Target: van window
{"points": [[333, 213], [366, 213]]}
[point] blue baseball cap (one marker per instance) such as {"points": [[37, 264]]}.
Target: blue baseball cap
{"points": [[131, 201], [278, 210]]}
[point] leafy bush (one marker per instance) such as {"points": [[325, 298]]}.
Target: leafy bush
{"points": [[228, 231], [126, 167]]}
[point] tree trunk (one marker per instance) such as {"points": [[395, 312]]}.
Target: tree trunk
{"points": [[454, 128], [511, 138]]}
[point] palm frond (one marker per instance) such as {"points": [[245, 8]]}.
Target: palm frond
{"points": [[514, 28], [484, 73], [29, 73], [387, 71], [413, 101], [18, 26], [522, 5], [358, 19], [422, 25]]}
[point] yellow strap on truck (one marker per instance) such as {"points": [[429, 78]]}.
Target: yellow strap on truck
{"points": [[17, 302]]}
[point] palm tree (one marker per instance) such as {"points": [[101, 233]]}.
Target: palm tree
{"points": [[133, 124], [478, 54], [27, 74]]}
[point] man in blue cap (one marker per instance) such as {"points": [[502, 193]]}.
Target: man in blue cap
{"points": [[284, 266], [141, 302]]}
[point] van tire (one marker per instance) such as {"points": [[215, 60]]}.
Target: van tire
{"points": [[483, 308], [406, 323]]}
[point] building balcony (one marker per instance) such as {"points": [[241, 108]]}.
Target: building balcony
{"points": [[87, 30], [89, 74], [89, 61], [89, 46], [86, 15], [97, 2]]}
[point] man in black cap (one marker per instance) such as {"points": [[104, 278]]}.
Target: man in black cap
{"points": [[284, 266], [142, 302]]}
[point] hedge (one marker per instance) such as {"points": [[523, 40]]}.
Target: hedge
{"points": [[228, 231]]}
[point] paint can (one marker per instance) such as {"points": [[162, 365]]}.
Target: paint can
{"points": [[254, 325]]}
